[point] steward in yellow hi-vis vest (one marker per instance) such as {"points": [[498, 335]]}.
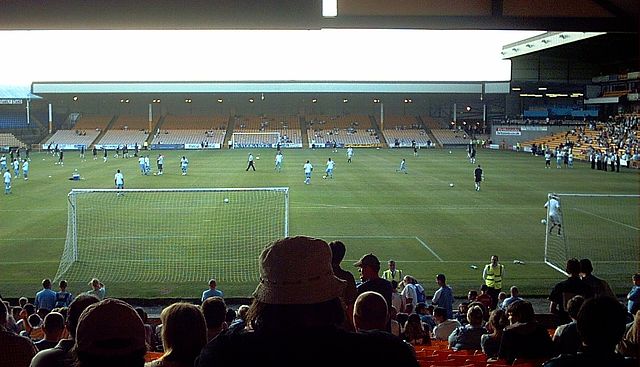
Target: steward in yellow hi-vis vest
{"points": [[492, 275]]}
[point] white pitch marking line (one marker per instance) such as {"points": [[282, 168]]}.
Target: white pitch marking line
{"points": [[607, 219], [428, 248]]}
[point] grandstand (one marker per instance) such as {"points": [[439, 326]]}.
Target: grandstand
{"points": [[8, 140], [191, 131], [72, 139], [252, 131], [402, 131], [449, 137], [355, 130]]}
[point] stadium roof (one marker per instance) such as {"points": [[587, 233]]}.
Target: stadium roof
{"points": [[551, 15], [16, 92]]}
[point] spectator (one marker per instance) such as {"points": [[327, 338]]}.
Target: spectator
{"points": [[214, 310], [524, 338], [443, 297], [60, 356], [414, 332], [230, 316], [184, 333], [629, 346], [425, 315], [149, 332], [240, 322], [392, 273], [601, 326], [297, 305], [97, 289], [633, 298], [515, 296], [490, 343], [444, 327], [27, 310], [395, 325], [397, 300], [461, 314], [409, 293], [484, 297], [468, 336], [369, 267], [338, 251], [53, 327], [15, 351], [599, 287], [46, 298], [63, 298], [109, 333], [34, 331], [370, 312], [472, 296], [565, 338], [212, 291], [565, 290]]}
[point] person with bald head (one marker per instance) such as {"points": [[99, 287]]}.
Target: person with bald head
{"points": [[370, 312]]}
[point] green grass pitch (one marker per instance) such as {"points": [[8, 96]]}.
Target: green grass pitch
{"points": [[417, 219]]}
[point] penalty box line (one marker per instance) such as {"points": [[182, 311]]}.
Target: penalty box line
{"points": [[418, 239]]}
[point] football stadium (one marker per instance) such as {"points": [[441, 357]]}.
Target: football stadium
{"points": [[153, 153]]}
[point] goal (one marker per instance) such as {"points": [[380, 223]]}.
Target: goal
{"points": [[600, 227], [171, 235], [255, 139]]}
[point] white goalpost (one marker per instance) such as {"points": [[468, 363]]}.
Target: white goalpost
{"points": [[255, 139], [171, 235], [601, 227]]}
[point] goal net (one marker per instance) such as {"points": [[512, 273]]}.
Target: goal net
{"points": [[255, 139], [602, 228], [171, 235]]}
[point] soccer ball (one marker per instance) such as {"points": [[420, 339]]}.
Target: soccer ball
{"points": [[324, 177], [226, 200], [449, 152], [258, 157], [543, 221], [451, 184]]}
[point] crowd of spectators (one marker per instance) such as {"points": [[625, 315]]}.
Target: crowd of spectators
{"points": [[307, 309]]}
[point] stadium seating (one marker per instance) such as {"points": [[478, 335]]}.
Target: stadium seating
{"points": [[186, 129], [347, 130], [13, 119], [93, 122], [450, 137], [121, 137], [406, 137], [9, 140], [287, 125], [72, 137]]}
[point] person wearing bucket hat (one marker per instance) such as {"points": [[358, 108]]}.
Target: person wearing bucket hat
{"points": [[109, 333], [296, 317]]}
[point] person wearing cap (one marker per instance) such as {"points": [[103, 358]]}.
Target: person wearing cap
{"points": [[110, 333], [369, 268], [296, 317]]}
